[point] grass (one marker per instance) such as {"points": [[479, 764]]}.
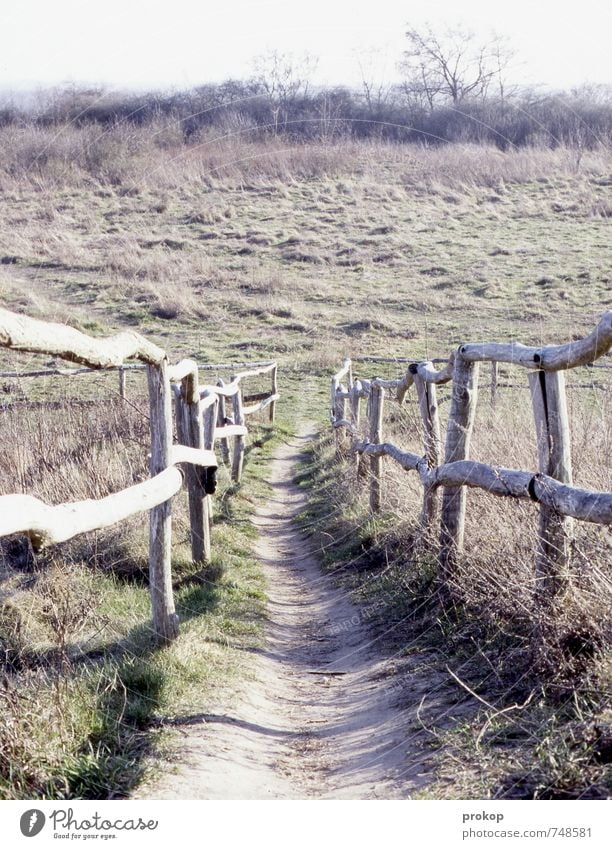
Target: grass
{"points": [[370, 247], [234, 250]]}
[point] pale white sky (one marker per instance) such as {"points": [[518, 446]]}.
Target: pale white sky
{"points": [[180, 43]]}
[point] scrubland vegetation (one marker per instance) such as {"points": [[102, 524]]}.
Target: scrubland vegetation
{"points": [[279, 100], [228, 244]]}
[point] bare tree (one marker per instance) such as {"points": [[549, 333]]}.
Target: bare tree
{"points": [[453, 66], [376, 92]]}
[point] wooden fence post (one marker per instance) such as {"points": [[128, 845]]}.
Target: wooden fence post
{"points": [[189, 430], [333, 400], [458, 434], [335, 382], [377, 398], [165, 619], [239, 441], [355, 407], [355, 404], [554, 459], [339, 415], [428, 406], [494, 376], [225, 452], [274, 389], [210, 425]]}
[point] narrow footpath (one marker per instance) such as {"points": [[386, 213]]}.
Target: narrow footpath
{"points": [[325, 714]]}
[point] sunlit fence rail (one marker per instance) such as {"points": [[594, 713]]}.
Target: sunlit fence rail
{"points": [[450, 469], [202, 420]]}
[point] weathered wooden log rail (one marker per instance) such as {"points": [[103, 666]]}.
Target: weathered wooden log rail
{"points": [[198, 426], [125, 368], [550, 487]]}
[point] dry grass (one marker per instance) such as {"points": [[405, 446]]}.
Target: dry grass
{"points": [[155, 157], [136, 158], [376, 246]]}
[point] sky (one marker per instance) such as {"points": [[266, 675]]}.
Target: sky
{"points": [[173, 44]]}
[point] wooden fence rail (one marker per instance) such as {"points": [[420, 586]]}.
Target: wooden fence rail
{"points": [[198, 426], [125, 368], [46, 524], [550, 487]]}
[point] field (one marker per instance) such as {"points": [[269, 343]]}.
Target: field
{"points": [[228, 251], [283, 249]]}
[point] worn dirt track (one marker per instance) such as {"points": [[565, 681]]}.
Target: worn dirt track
{"points": [[323, 715]]}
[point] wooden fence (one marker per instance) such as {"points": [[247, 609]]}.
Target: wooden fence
{"points": [[201, 421], [550, 487]]}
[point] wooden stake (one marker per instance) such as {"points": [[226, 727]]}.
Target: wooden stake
{"points": [[165, 619], [340, 415], [210, 425], [122, 376], [428, 406], [377, 398], [225, 452], [274, 391], [355, 407], [494, 375], [558, 426], [554, 459], [335, 383], [355, 404], [458, 435], [193, 436], [239, 441]]}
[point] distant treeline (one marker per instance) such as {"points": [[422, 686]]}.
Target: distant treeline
{"points": [[582, 118]]}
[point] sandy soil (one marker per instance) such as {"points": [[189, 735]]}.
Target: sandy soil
{"points": [[325, 714]]}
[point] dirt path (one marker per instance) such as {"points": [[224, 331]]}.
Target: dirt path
{"points": [[324, 716]]}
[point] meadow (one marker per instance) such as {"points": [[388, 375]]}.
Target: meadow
{"points": [[231, 250]]}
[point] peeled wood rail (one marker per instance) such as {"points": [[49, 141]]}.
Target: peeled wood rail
{"points": [[551, 487], [549, 357], [583, 504], [196, 425], [46, 524], [255, 368], [50, 524], [221, 427], [22, 333]]}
